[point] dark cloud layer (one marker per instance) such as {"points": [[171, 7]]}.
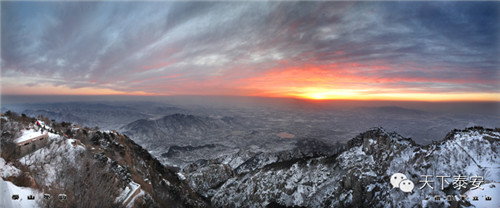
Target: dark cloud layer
{"points": [[174, 47]]}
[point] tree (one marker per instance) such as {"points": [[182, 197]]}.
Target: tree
{"points": [[7, 148], [8, 132], [12, 115]]}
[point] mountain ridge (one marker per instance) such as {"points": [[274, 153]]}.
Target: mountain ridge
{"points": [[359, 175], [314, 174], [100, 166]]}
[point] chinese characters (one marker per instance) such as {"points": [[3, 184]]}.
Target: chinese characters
{"points": [[458, 182]]}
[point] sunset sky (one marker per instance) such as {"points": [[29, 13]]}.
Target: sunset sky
{"points": [[425, 51]]}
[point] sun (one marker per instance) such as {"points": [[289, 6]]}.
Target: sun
{"points": [[326, 94], [317, 96]]}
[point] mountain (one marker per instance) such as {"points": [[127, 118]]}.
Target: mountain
{"points": [[178, 129], [180, 125], [93, 168], [206, 175], [107, 115], [256, 124], [107, 169], [180, 139], [57, 116], [358, 176]]}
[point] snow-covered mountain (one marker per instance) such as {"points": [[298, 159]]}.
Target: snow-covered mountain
{"points": [[181, 139], [108, 169], [360, 175], [93, 168]]}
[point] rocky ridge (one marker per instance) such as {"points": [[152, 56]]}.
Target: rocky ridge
{"points": [[356, 177]]}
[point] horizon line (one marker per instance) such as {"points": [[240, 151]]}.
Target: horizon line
{"points": [[252, 96]]}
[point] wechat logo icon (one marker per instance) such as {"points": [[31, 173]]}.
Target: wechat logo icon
{"points": [[399, 180]]}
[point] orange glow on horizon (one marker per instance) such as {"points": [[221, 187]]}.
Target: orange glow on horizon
{"points": [[305, 93], [46, 89], [340, 82], [350, 81], [368, 95], [430, 97]]}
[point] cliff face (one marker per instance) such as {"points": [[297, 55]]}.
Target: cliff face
{"points": [[159, 181]]}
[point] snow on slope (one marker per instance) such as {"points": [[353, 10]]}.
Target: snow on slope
{"points": [[492, 190], [140, 194], [7, 189], [49, 158], [7, 169], [359, 177], [30, 133], [5, 195], [127, 194]]}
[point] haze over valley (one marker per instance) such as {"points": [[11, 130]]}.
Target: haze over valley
{"points": [[180, 130]]}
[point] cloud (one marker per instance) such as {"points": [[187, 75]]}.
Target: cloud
{"points": [[230, 47]]}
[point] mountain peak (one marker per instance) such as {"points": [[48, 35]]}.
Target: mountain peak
{"points": [[380, 136]]}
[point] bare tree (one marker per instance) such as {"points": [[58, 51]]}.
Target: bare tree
{"points": [[8, 132]]}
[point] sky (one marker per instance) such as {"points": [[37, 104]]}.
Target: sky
{"points": [[422, 51]]}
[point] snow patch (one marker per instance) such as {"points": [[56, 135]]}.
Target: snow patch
{"points": [[131, 203], [128, 194], [181, 176], [7, 169], [492, 190], [49, 158], [7, 189]]}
